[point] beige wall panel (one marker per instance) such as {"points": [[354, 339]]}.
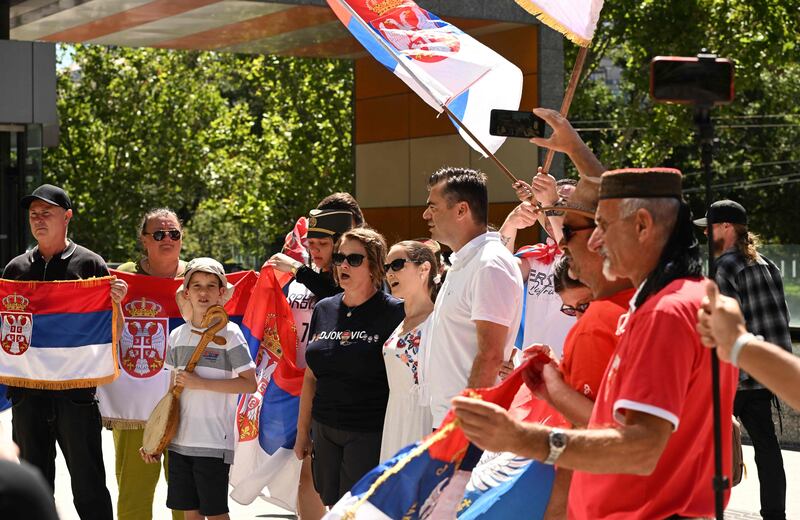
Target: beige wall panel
{"points": [[428, 154], [382, 174], [519, 156]]}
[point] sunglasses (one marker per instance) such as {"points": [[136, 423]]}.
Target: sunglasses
{"points": [[354, 259], [397, 264], [569, 232], [569, 310], [161, 234]]}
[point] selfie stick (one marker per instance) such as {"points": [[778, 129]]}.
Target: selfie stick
{"points": [[705, 135], [401, 61]]}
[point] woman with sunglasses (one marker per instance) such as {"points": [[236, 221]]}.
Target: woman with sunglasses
{"points": [[343, 402], [310, 284], [412, 273], [161, 235]]}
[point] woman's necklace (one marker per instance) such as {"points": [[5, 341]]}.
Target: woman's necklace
{"points": [[351, 309]]}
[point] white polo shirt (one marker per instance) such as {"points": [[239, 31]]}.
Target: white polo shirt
{"points": [[484, 283]]}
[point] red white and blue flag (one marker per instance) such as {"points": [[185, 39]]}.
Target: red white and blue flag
{"points": [[151, 313], [439, 62], [427, 479], [57, 335], [264, 462]]}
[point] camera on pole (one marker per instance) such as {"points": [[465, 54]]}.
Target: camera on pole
{"points": [[703, 81]]}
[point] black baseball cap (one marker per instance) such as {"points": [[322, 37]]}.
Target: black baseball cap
{"points": [[49, 194], [723, 211]]}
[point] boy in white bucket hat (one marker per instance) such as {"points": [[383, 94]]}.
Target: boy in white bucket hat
{"points": [[202, 450]]}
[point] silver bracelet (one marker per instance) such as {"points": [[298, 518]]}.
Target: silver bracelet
{"points": [[739, 344]]}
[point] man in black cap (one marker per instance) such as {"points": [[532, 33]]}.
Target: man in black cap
{"points": [[71, 417], [755, 281]]}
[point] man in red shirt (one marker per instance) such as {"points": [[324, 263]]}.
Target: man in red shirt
{"points": [[648, 449]]}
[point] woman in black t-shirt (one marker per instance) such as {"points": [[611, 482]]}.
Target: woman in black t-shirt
{"points": [[345, 388]]}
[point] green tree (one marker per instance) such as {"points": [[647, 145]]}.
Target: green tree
{"points": [[225, 140], [757, 160]]}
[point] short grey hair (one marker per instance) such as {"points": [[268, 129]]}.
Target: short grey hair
{"points": [[664, 211]]}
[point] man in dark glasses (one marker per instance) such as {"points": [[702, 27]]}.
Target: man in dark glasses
{"points": [[651, 426], [573, 386], [69, 416]]}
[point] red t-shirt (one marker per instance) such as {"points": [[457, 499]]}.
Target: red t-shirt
{"points": [[660, 368], [590, 343]]}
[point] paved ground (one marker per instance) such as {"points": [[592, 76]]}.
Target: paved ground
{"points": [[744, 503]]}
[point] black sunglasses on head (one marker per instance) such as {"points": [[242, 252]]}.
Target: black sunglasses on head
{"points": [[569, 231], [397, 264], [354, 259], [161, 234], [569, 310]]}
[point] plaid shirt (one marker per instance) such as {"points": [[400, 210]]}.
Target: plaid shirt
{"points": [[758, 287]]}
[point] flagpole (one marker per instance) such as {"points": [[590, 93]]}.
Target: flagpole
{"points": [[401, 62], [568, 95], [485, 150]]}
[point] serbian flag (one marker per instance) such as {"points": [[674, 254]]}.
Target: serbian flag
{"points": [[151, 313], [439, 62], [57, 335], [428, 480], [575, 19], [266, 421]]}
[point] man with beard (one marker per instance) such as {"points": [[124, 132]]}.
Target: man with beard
{"points": [[648, 449], [755, 281]]}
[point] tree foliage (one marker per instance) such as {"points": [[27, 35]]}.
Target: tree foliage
{"points": [[757, 160], [239, 146]]}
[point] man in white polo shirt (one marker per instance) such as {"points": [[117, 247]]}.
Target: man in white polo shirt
{"points": [[477, 312]]}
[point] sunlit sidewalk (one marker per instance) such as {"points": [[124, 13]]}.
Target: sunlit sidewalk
{"points": [[744, 503]]}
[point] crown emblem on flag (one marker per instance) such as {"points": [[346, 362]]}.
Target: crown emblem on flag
{"points": [[15, 302], [143, 308], [382, 6]]}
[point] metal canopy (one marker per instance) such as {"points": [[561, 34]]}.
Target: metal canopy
{"points": [[295, 28]]}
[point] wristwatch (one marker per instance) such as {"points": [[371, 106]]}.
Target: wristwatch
{"points": [[558, 443], [294, 269]]}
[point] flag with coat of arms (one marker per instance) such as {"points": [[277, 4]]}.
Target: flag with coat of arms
{"points": [[266, 421], [150, 313], [57, 335], [429, 480], [442, 64]]}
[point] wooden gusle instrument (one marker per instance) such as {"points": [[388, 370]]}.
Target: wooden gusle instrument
{"points": [[164, 420]]}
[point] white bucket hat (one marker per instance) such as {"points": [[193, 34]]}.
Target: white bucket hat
{"points": [[201, 265]]}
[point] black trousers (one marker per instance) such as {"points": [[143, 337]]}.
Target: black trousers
{"points": [[71, 418], [340, 458], [754, 410]]}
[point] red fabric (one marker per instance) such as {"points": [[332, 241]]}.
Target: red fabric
{"points": [[545, 252], [453, 446], [660, 363], [590, 343], [162, 291], [296, 241]]}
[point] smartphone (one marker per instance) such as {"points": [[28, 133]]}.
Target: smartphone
{"points": [[516, 123], [691, 80]]}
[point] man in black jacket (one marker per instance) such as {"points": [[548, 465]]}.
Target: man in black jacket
{"points": [[755, 281], [71, 417]]}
